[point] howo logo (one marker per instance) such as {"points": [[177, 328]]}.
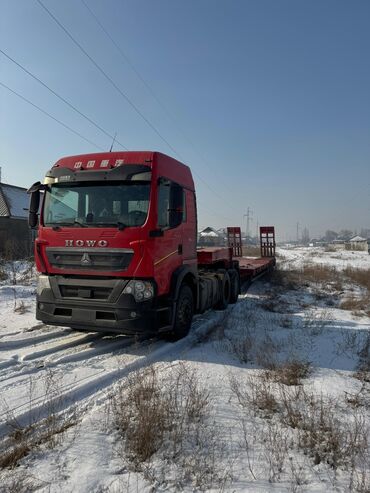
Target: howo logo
{"points": [[86, 243]]}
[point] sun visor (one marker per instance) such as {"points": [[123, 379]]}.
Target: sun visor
{"points": [[127, 172]]}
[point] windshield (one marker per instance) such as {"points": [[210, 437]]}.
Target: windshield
{"points": [[119, 204]]}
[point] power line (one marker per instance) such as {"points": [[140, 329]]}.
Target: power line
{"points": [[109, 79], [51, 116], [60, 97], [80, 135], [200, 205], [125, 57], [126, 98], [147, 85]]}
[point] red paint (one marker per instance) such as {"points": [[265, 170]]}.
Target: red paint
{"points": [[148, 251], [154, 257]]}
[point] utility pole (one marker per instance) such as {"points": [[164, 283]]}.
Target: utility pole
{"points": [[249, 216], [297, 232]]}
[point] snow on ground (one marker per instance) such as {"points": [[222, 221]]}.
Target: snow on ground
{"points": [[251, 430], [340, 259]]}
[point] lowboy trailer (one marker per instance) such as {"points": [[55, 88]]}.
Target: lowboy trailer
{"points": [[117, 247]]}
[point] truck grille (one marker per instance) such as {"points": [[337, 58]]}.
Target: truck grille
{"points": [[87, 289], [95, 292], [113, 259]]}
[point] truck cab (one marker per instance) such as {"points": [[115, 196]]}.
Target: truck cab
{"points": [[117, 234]]}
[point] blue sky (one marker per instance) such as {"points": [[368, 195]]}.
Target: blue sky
{"points": [[268, 101]]}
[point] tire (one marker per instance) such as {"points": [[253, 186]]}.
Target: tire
{"points": [[234, 286], [184, 313], [225, 290]]}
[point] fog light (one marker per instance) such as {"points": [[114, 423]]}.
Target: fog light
{"points": [[133, 314], [41, 306]]}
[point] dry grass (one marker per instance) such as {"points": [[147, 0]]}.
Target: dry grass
{"points": [[141, 415], [3, 274], [319, 430], [360, 277], [48, 431], [21, 308], [290, 372], [18, 482], [169, 419], [146, 413], [330, 249], [255, 392], [318, 275], [17, 271], [363, 368], [357, 305], [251, 251], [316, 321]]}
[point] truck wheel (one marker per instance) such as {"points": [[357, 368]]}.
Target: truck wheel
{"points": [[225, 290], [234, 285], [184, 312]]}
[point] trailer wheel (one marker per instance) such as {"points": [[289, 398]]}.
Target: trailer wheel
{"points": [[234, 285], [184, 312], [225, 290]]}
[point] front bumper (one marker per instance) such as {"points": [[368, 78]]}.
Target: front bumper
{"points": [[99, 305]]}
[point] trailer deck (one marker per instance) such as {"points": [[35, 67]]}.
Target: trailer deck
{"points": [[249, 267]]}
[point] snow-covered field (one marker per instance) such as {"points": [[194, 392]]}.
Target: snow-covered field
{"points": [[271, 395]]}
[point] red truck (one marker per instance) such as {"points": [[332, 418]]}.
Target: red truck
{"points": [[117, 246]]}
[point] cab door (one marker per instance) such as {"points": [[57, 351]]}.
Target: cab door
{"points": [[168, 252], [189, 228]]}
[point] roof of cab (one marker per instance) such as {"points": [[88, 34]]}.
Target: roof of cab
{"points": [[166, 166]]}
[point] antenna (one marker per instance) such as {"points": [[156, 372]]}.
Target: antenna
{"points": [[114, 138]]}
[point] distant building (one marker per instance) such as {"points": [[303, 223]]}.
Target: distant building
{"points": [[357, 243], [15, 235], [210, 237]]}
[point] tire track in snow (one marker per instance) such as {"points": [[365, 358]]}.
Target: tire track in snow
{"points": [[21, 378], [61, 347], [33, 340], [88, 389], [62, 354], [91, 352], [16, 360]]}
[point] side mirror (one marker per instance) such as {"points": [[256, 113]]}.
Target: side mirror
{"points": [[33, 218], [34, 191]]}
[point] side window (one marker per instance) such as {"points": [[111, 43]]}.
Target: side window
{"points": [[171, 204], [163, 203], [176, 205], [183, 206]]}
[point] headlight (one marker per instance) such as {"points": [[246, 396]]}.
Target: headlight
{"points": [[141, 290], [42, 283], [139, 286]]}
